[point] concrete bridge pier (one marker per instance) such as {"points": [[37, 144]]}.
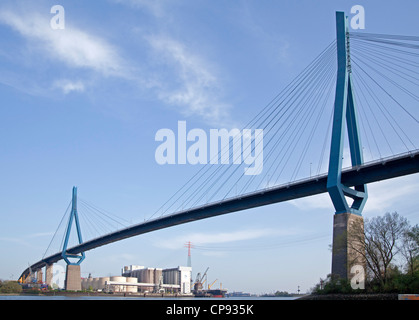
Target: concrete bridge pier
{"points": [[73, 278], [348, 245], [49, 274], [39, 275]]}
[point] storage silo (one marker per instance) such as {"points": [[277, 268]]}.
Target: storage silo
{"points": [[89, 284], [101, 283], [118, 288], [132, 289], [149, 277], [95, 282], [171, 276], [158, 273], [136, 274], [83, 283]]}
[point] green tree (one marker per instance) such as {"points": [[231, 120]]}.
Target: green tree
{"points": [[333, 284], [379, 241], [410, 249], [10, 287], [382, 242]]}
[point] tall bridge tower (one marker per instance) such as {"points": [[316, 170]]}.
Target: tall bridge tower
{"points": [[73, 272], [346, 215]]}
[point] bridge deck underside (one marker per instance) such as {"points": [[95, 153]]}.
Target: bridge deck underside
{"points": [[376, 171]]}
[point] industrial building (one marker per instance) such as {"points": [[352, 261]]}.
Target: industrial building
{"points": [[181, 276], [139, 279]]}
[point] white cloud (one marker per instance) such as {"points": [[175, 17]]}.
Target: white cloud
{"points": [[197, 88], [71, 46], [26, 240], [181, 78], [321, 201], [68, 86], [383, 196], [216, 238], [39, 234], [392, 195], [122, 257]]}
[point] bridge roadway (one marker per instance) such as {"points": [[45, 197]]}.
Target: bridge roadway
{"points": [[382, 169]]}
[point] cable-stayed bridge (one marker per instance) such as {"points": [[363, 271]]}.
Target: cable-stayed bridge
{"points": [[365, 106]]}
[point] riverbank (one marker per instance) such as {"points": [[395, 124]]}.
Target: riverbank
{"points": [[371, 296], [98, 294], [310, 297]]}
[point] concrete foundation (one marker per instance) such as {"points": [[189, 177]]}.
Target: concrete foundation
{"points": [[39, 275], [73, 278], [348, 244], [49, 274]]}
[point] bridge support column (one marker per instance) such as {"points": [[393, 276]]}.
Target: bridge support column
{"points": [[73, 274], [346, 250], [73, 278], [49, 274], [348, 244], [39, 275]]}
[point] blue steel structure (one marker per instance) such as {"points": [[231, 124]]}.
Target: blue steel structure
{"points": [[344, 112], [73, 216], [367, 173], [337, 182]]}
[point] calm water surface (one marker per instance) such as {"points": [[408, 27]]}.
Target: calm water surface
{"points": [[35, 297]]}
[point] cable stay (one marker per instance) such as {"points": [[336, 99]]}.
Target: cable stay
{"points": [[300, 116], [95, 222], [261, 246], [297, 125], [386, 77], [286, 121]]}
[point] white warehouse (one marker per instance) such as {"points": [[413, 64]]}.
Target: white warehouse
{"points": [[174, 279], [139, 279]]}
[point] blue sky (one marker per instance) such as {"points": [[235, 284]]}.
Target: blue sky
{"points": [[81, 106]]}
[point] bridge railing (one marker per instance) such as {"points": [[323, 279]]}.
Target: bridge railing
{"points": [[317, 177]]}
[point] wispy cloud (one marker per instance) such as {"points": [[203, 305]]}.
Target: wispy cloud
{"points": [[321, 201], [72, 46], [392, 195], [197, 89], [188, 80], [68, 86], [201, 239], [382, 196], [121, 257], [26, 240], [172, 71]]}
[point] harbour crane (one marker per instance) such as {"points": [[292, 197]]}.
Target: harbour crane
{"points": [[198, 285], [210, 285]]}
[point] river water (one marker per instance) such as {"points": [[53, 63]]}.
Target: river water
{"points": [[69, 297]]}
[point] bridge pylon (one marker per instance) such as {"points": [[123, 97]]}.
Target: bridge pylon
{"points": [[345, 113], [73, 272]]}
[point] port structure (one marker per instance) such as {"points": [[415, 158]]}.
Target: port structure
{"points": [[73, 273], [338, 183], [344, 257], [73, 217], [345, 112]]}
